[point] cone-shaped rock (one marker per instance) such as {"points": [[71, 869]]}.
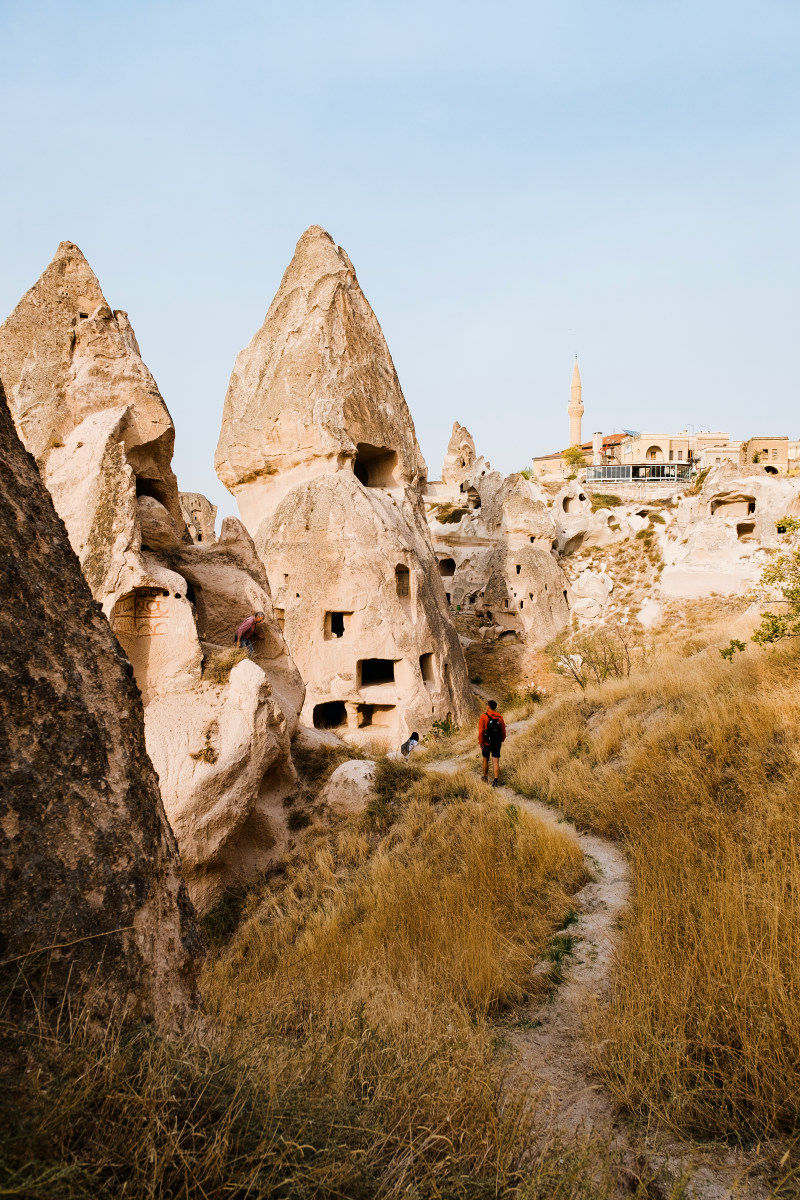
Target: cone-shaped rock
{"points": [[319, 448], [315, 389], [65, 357], [93, 906]]}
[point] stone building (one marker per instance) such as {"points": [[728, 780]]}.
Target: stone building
{"points": [[88, 408], [318, 446]]}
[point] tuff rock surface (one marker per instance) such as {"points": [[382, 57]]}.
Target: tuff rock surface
{"points": [[92, 900], [319, 448], [88, 407]]}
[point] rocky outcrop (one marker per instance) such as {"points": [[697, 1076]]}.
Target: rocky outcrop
{"points": [[200, 516], [494, 539], [93, 905], [460, 457], [722, 536], [315, 391], [319, 448], [219, 739]]}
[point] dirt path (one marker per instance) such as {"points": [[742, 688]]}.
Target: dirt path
{"points": [[553, 1060]]}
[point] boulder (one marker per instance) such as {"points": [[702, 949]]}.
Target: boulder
{"points": [[94, 909], [350, 787]]}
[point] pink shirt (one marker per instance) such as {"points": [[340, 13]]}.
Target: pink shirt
{"points": [[246, 627]]}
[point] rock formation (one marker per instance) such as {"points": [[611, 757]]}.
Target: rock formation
{"points": [[315, 391], [723, 534], [91, 894], [200, 516], [318, 447], [494, 539], [460, 458], [87, 405]]}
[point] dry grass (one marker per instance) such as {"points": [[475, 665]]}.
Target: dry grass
{"points": [[348, 1048], [694, 767], [218, 667]]}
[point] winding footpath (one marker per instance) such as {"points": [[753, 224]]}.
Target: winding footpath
{"points": [[552, 1059]]}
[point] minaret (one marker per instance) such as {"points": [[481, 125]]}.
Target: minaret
{"points": [[575, 409]]}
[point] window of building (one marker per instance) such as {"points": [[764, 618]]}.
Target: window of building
{"points": [[447, 567], [680, 456], [774, 455], [670, 455], [426, 667], [373, 671]]}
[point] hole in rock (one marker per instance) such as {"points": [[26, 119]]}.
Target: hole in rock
{"points": [[376, 466], [335, 624], [447, 597], [426, 667], [771, 470], [447, 567], [472, 599], [745, 531], [280, 617], [373, 671], [519, 568], [191, 595], [402, 578], [473, 499], [733, 506], [84, 316], [581, 496], [378, 715], [330, 715], [565, 593], [177, 595]]}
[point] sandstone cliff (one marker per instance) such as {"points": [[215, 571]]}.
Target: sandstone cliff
{"points": [[319, 448], [91, 895], [86, 404]]}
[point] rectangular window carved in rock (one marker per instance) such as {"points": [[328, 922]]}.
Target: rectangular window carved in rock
{"points": [[336, 625], [402, 577], [374, 671], [426, 667]]}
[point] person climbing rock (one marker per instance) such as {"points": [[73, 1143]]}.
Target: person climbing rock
{"points": [[491, 735], [246, 633]]}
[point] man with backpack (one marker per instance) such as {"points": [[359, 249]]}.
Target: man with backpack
{"points": [[491, 735]]}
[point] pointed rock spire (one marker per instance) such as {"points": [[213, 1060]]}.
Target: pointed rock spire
{"points": [[316, 382]]}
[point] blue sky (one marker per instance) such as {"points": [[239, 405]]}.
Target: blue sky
{"points": [[513, 182]]}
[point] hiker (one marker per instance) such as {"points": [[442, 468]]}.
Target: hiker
{"points": [[246, 632], [491, 735], [410, 746]]}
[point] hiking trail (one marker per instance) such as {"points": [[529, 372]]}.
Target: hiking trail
{"points": [[552, 1058]]}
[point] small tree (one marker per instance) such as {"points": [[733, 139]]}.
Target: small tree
{"points": [[574, 457]]}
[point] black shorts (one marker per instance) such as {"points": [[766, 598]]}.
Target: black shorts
{"points": [[494, 751]]}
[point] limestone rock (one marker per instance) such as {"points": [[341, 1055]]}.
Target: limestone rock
{"points": [[721, 537], [315, 390], [65, 356], [497, 561], [105, 441], [319, 448], [89, 863], [460, 458], [349, 788], [200, 516], [364, 609]]}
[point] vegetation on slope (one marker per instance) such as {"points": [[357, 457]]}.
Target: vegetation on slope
{"points": [[347, 1048], [694, 767]]}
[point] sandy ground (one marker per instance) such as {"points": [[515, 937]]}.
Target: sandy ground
{"points": [[551, 1057]]}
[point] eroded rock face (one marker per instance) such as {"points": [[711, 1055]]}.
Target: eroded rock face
{"points": [[104, 437], [319, 448], [200, 516], [315, 391], [460, 457], [89, 862], [497, 559], [722, 536]]}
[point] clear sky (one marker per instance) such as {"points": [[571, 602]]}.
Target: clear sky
{"points": [[514, 182]]}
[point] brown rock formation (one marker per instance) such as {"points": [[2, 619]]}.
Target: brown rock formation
{"points": [[315, 390], [319, 448], [89, 407], [91, 894]]}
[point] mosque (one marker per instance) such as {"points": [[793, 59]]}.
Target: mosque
{"points": [[656, 457]]}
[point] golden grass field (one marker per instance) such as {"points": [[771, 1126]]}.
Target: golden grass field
{"points": [[693, 767], [347, 1047]]}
